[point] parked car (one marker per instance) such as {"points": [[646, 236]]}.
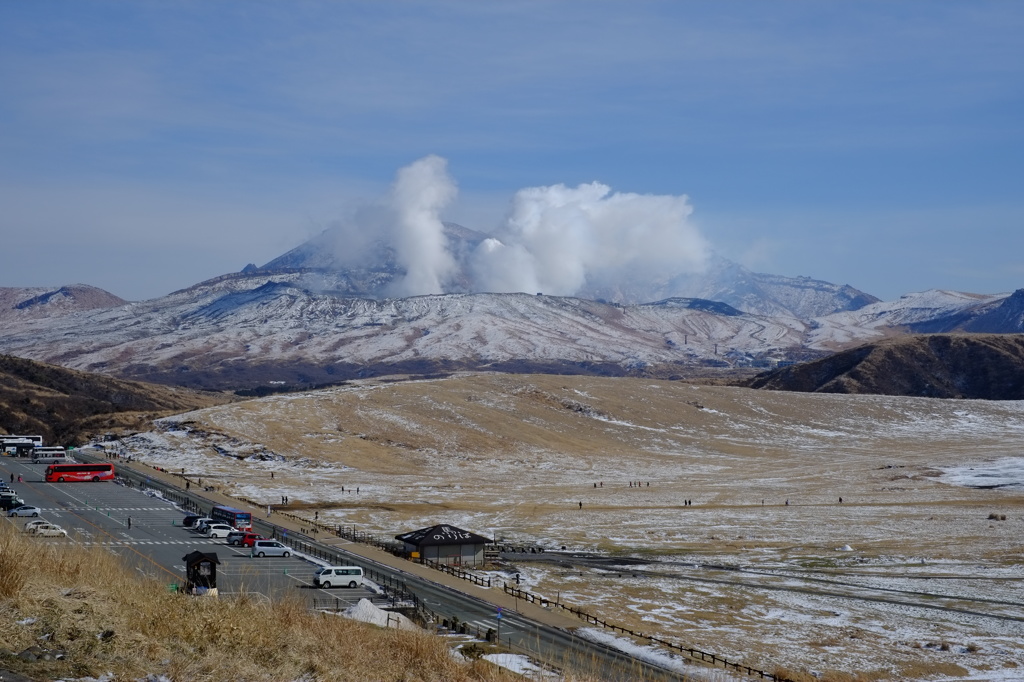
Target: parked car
{"points": [[219, 530], [190, 520], [201, 522], [235, 537], [25, 510], [263, 548], [327, 576], [50, 530], [9, 503], [33, 524], [250, 538]]}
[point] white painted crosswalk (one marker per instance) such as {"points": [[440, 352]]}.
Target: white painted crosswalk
{"points": [[105, 509], [111, 543]]}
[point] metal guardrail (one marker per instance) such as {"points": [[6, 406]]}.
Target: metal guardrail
{"points": [[696, 654]]}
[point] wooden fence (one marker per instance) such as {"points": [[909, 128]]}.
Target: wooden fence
{"points": [[458, 573]]}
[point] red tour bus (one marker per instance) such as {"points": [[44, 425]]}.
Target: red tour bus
{"points": [[242, 520], [79, 472]]}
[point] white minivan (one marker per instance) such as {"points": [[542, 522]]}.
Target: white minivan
{"points": [[326, 576]]}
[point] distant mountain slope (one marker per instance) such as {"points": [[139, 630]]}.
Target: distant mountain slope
{"points": [[61, 404], [764, 294], [1006, 318], [38, 302], [246, 330], [931, 311], [985, 366]]}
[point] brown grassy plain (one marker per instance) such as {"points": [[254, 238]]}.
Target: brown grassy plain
{"points": [[884, 585]]}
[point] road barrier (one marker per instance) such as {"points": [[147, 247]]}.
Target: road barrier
{"points": [[696, 654]]}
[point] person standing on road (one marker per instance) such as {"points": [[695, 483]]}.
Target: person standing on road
{"points": [[129, 523]]}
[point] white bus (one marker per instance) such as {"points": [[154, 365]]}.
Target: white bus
{"points": [[50, 455], [20, 445]]}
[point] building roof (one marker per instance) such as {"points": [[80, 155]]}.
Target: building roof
{"points": [[442, 535], [196, 555]]}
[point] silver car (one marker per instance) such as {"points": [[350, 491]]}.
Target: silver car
{"points": [[25, 510], [263, 548]]}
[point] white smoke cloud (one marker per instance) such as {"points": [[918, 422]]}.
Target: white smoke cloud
{"points": [[559, 240], [421, 191]]}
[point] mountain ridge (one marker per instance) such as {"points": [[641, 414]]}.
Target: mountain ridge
{"points": [[975, 366]]}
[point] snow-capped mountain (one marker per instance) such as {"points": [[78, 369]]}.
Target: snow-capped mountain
{"points": [[318, 314], [935, 310], [249, 329]]}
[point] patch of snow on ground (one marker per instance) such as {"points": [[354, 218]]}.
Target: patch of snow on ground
{"points": [[521, 665], [1007, 472], [366, 612]]}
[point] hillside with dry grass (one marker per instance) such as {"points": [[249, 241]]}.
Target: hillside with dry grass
{"points": [[877, 586], [65, 406], [980, 366], [82, 613]]}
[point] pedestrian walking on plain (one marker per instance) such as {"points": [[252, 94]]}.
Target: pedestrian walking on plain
{"points": [[271, 474], [188, 484], [19, 478], [129, 523], [581, 504], [840, 500]]}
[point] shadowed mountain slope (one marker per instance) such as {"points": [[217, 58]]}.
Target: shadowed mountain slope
{"points": [[62, 404], [984, 366]]}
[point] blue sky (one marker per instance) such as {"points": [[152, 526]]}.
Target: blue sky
{"points": [[145, 146]]}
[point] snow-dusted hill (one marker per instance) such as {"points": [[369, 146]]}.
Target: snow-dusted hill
{"points": [[26, 303], [299, 328], [908, 313], [234, 329]]}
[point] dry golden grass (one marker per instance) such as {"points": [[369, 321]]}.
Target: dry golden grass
{"points": [[74, 594], [514, 456]]}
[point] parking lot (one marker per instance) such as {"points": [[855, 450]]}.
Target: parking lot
{"points": [[147, 532]]}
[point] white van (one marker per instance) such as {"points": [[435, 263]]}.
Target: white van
{"points": [[326, 576], [50, 455]]}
